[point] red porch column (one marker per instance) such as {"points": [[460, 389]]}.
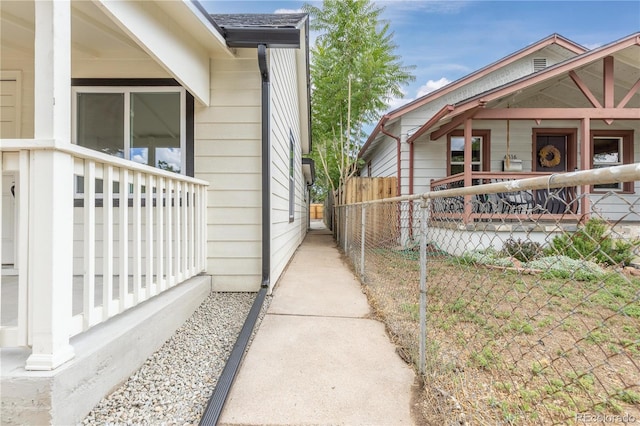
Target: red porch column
{"points": [[468, 172], [587, 155]]}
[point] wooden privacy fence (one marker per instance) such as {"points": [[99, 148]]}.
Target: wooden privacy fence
{"points": [[316, 211], [360, 189], [383, 219]]}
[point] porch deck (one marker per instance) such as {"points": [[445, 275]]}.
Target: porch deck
{"points": [[562, 204], [105, 356], [74, 224]]}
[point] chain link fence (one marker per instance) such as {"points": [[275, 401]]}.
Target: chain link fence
{"points": [[520, 314]]}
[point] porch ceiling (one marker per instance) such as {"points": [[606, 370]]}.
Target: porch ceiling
{"points": [[93, 34], [99, 35], [562, 92]]}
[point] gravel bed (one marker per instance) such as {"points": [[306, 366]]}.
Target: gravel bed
{"points": [[174, 385]]}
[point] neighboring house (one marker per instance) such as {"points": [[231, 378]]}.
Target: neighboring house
{"points": [[551, 107], [150, 153]]}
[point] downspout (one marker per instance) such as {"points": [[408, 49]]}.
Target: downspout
{"points": [[411, 149], [266, 167], [398, 162]]}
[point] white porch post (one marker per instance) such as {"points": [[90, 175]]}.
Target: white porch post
{"points": [[51, 193]]}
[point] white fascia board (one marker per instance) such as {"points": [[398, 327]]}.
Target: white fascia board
{"points": [[199, 24], [173, 47]]}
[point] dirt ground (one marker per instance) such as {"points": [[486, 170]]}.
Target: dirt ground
{"points": [[509, 347]]}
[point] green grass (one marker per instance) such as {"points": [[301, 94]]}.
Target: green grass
{"points": [[413, 309], [521, 326], [485, 359], [627, 396], [489, 320]]}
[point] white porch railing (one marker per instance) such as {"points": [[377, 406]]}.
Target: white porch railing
{"points": [[137, 231]]}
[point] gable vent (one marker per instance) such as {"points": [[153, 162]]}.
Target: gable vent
{"points": [[539, 64]]}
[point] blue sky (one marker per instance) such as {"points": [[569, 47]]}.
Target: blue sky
{"points": [[447, 40]]}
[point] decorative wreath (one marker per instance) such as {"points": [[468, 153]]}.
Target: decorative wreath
{"points": [[549, 156]]}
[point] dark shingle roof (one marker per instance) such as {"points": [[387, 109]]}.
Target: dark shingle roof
{"points": [[253, 20]]}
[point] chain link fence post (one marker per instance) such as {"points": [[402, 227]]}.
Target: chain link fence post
{"points": [[346, 229], [424, 206]]}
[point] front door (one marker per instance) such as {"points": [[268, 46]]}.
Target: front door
{"points": [[551, 153], [555, 153]]}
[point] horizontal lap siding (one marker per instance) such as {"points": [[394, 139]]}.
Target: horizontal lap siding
{"points": [[13, 60], [227, 155], [430, 161], [285, 236], [384, 163]]}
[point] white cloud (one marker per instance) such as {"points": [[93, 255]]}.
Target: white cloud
{"points": [[395, 103], [426, 88], [593, 46], [432, 85], [283, 11], [140, 155], [169, 155]]}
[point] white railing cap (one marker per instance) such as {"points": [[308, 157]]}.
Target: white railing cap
{"points": [[90, 154]]}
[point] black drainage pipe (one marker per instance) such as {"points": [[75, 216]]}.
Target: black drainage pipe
{"points": [[216, 403]]}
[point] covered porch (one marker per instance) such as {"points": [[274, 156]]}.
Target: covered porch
{"points": [[580, 114], [102, 250], [87, 235], [537, 205]]}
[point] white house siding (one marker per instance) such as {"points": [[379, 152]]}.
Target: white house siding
{"points": [[19, 60], [430, 161], [285, 236], [383, 159], [227, 155]]}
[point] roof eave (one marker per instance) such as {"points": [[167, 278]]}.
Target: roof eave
{"points": [[566, 66], [553, 38], [309, 170], [248, 37]]}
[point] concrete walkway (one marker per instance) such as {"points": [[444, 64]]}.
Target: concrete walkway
{"points": [[318, 358]]}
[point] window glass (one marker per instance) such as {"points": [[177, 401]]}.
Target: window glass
{"points": [[456, 154], [155, 130], [145, 125], [100, 122]]}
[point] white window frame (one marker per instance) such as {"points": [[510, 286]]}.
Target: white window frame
{"points": [[292, 173], [127, 91], [461, 163], [620, 186]]}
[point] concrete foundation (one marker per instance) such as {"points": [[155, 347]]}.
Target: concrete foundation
{"points": [[106, 355]]}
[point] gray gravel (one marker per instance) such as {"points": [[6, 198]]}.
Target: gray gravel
{"points": [[175, 383]]}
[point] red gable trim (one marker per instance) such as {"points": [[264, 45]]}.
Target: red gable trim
{"points": [[552, 39]]}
